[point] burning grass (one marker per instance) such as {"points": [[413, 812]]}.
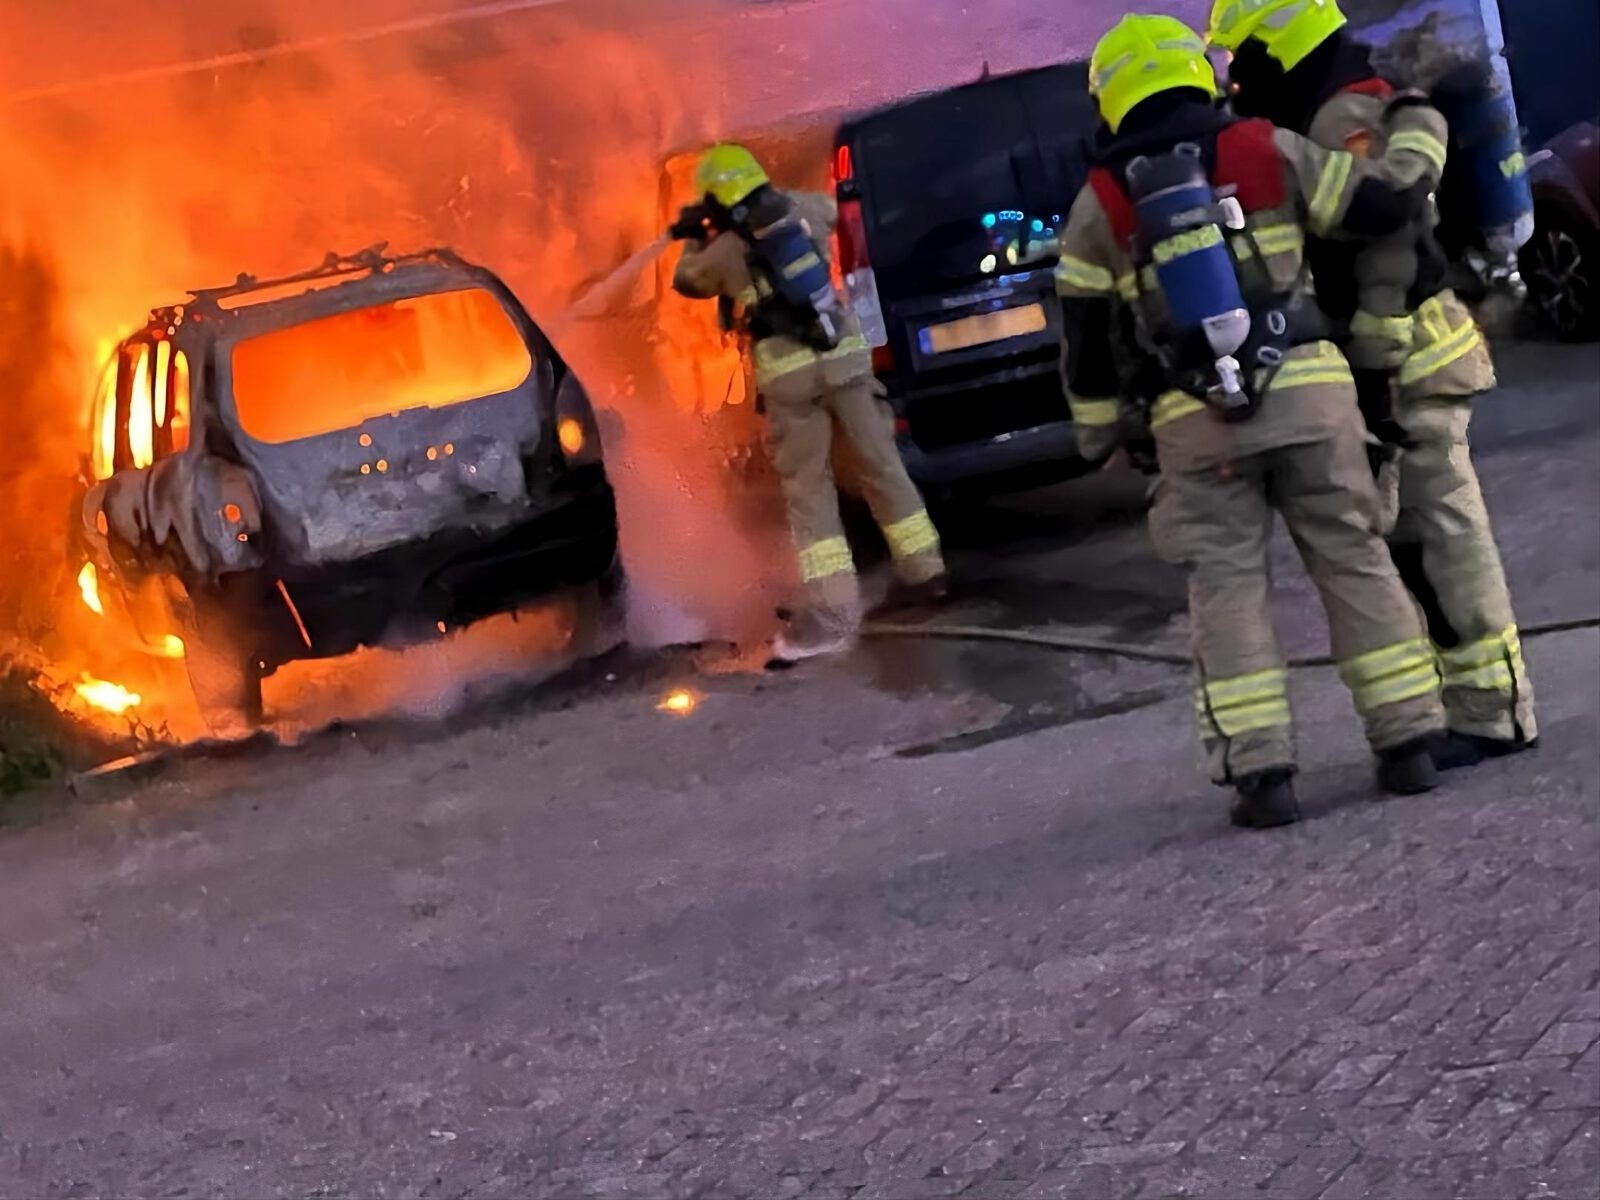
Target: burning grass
{"points": [[43, 731]]}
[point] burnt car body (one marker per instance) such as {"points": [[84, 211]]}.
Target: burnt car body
{"points": [[950, 209], [367, 453], [1562, 263]]}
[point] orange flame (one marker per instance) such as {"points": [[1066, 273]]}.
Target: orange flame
{"points": [[141, 417], [89, 589], [680, 702], [108, 697]]}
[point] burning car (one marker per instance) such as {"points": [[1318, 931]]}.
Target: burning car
{"points": [[371, 452]]}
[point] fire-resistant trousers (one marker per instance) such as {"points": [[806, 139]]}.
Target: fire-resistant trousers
{"points": [[1445, 546], [1216, 522], [806, 412]]}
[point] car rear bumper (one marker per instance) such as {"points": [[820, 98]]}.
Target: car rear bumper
{"points": [[1046, 452], [403, 595]]}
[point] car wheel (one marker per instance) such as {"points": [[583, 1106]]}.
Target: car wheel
{"points": [[224, 674], [1562, 268], [597, 614]]}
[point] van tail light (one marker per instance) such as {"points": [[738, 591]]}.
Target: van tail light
{"points": [[851, 238], [882, 360]]}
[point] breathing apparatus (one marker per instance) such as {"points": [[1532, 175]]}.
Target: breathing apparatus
{"points": [[797, 296]]}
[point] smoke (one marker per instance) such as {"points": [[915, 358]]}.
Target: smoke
{"points": [[182, 143]]}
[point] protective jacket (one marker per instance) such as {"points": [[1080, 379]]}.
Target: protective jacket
{"points": [[1406, 323], [818, 405], [721, 268], [1391, 299], [1300, 455], [1287, 187]]}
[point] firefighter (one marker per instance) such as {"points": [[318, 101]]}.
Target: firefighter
{"points": [[1193, 226], [1419, 355], [764, 253]]}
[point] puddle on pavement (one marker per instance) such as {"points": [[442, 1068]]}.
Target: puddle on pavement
{"points": [[1134, 614], [1021, 724], [1039, 688]]}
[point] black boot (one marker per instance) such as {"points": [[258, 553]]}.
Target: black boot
{"points": [[906, 598], [1408, 770], [1453, 751], [1266, 800]]}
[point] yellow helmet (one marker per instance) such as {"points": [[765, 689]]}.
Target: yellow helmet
{"points": [[1143, 56], [1289, 29], [728, 174]]}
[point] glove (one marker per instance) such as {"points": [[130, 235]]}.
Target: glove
{"points": [[691, 225], [1375, 392], [1142, 455]]}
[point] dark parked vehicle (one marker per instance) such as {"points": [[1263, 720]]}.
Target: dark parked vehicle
{"points": [[950, 209], [373, 451], [1562, 263]]}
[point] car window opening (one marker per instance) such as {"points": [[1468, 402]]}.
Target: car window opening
{"points": [[333, 373]]}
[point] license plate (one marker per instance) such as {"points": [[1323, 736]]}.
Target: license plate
{"points": [[983, 329]]}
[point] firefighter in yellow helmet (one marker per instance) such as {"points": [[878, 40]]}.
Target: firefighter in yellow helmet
{"points": [[1418, 354], [1192, 229], [765, 254]]}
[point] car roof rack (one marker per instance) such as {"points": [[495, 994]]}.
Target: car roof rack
{"points": [[373, 260]]}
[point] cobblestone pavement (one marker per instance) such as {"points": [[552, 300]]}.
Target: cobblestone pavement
{"points": [[503, 963]]}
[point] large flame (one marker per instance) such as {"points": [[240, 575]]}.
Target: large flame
{"points": [[528, 137]]}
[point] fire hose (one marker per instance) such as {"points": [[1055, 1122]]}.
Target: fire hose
{"points": [[1071, 643]]}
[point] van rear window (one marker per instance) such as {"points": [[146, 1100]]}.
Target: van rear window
{"points": [[931, 168], [335, 372]]}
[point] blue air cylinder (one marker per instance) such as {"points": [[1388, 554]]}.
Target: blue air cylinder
{"points": [[799, 274], [1487, 148], [1180, 234], [1176, 210]]}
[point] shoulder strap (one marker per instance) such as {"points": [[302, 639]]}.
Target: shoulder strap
{"points": [[1248, 159], [1380, 88], [1118, 208]]}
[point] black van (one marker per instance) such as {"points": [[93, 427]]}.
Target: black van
{"points": [[950, 207]]}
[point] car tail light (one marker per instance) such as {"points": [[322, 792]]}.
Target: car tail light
{"points": [[882, 360]]}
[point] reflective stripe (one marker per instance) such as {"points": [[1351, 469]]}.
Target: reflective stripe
{"points": [[1490, 665], [801, 265], [1076, 275], [913, 536], [1435, 321], [1128, 286], [1400, 687], [769, 368], [1173, 406], [1094, 413], [1330, 189], [1496, 678], [1396, 673], [1398, 330], [1446, 348], [1326, 366], [825, 559], [1280, 239], [1245, 703], [749, 297], [1419, 142], [1274, 682], [1182, 245]]}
